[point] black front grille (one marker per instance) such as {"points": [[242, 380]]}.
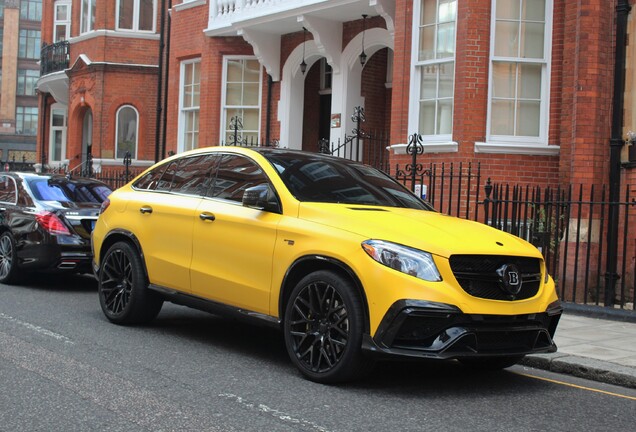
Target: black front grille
{"points": [[477, 275]]}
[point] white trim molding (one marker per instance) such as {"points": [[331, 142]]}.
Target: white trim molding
{"points": [[440, 147], [519, 149]]}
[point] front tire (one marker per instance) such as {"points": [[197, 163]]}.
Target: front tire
{"points": [[323, 327], [9, 272], [123, 287]]}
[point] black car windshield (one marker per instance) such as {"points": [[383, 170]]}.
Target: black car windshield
{"points": [[63, 190], [316, 178]]}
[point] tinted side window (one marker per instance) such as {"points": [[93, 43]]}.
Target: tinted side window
{"points": [[150, 180], [235, 174], [165, 182], [192, 176], [7, 190]]}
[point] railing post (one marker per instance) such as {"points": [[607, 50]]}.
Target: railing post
{"points": [[415, 148], [236, 123], [127, 162], [487, 200]]}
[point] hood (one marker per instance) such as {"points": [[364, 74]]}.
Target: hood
{"points": [[425, 230]]}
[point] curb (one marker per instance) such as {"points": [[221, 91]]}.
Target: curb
{"points": [[583, 367]]}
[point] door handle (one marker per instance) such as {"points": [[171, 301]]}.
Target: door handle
{"points": [[207, 217], [145, 209]]}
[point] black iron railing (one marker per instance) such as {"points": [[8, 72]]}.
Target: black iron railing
{"points": [[54, 57]]}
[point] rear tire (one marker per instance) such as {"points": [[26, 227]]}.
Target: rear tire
{"points": [[123, 287], [491, 363], [323, 327], [9, 272]]}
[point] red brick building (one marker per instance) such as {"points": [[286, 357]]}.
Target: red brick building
{"points": [[524, 86]]}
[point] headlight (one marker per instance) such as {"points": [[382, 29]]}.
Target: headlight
{"points": [[413, 262]]}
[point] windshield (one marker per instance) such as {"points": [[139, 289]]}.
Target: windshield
{"points": [[317, 178], [62, 190]]}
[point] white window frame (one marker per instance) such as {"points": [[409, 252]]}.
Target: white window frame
{"points": [[57, 107], [224, 107], [135, 18], [66, 23], [522, 144], [87, 26], [182, 109], [440, 142], [134, 155]]}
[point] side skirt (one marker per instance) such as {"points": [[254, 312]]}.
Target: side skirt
{"points": [[213, 307]]}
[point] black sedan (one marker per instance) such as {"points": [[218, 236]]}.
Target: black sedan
{"points": [[46, 223]]}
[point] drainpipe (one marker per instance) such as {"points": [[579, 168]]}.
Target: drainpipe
{"points": [[43, 132], [268, 125], [159, 83], [616, 144], [165, 84]]}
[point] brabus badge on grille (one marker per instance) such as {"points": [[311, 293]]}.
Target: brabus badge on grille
{"points": [[510, 278]]}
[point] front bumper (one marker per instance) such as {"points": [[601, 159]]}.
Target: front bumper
{"points": [[420, 329]]}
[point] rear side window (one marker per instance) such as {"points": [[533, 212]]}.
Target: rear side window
{"points": [[150, 180], [8, 191], [235, 174], [192, 176]]}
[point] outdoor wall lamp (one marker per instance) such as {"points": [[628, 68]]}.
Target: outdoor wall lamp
{"points": [[363, 56], [303, 65]]}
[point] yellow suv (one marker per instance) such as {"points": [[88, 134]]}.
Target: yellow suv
{"points": [[346, 261]]}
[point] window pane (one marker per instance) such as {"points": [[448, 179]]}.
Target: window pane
{"points": [[502, 117], [504, 80], [508, 9], [530, 81], [445, 117], [233, 95], [507, 39], [234, 71], [528, 116], [428, 85], [58, 119], [57, 145], [446, 80], [250, 119], [447, 10], [446, 40], [427, 118], [250, 94], [126, 132], [146, 15], [126, 10], [61, 12], [427, 43], [532, 45], [429, 12], [252, 71], [533, 10]]}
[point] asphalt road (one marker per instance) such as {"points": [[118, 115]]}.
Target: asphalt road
{"points": [[64, 367]]}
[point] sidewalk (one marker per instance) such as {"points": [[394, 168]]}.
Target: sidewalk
{"points": [[592, 348]]}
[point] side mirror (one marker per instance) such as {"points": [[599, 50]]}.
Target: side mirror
{"points": [[261, 197]]}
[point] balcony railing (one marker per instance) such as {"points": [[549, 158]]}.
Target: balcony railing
{"points": [[54, 58], [224, 12]]}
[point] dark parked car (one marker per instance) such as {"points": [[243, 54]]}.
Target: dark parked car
{"points": [[46, 223]]}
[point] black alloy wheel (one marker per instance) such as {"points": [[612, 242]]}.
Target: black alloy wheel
{"points": [[123, 288], [8, 259], [323, 328]]}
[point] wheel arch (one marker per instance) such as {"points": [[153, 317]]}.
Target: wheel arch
{"points": [[309, 264], [126, 236]]}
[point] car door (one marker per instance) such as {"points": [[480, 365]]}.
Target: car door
{"points": [[163, 218], [232, 249]]}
